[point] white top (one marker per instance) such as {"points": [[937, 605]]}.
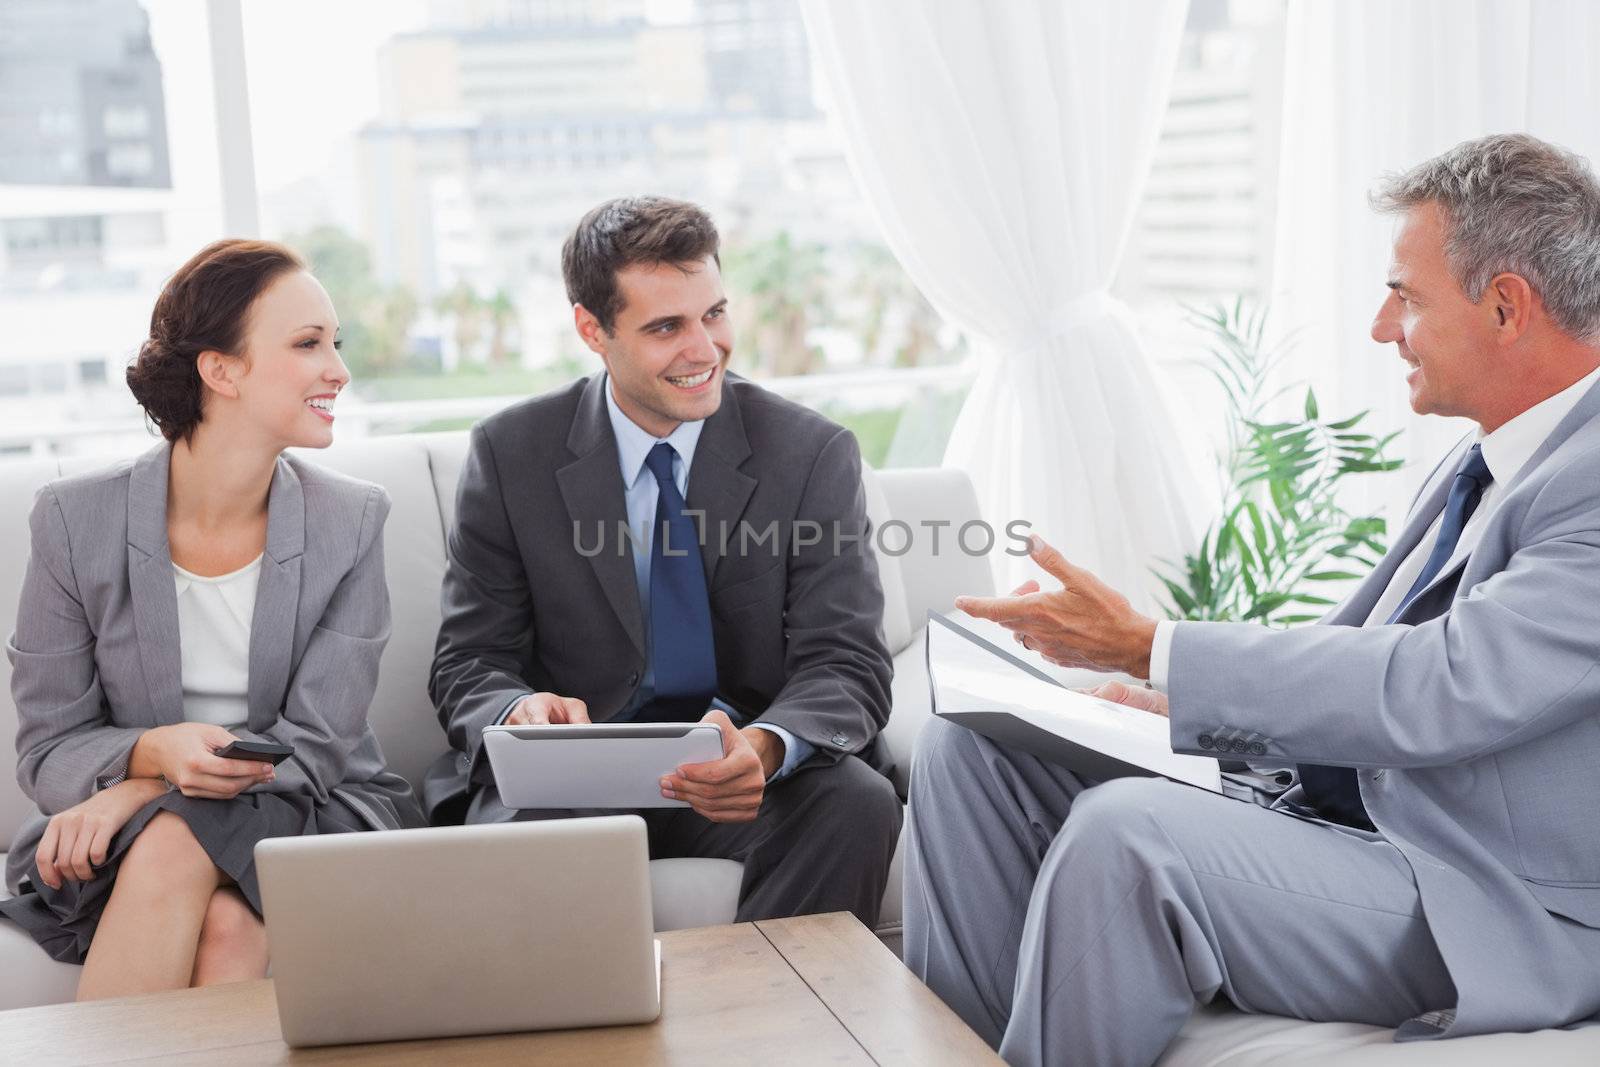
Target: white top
{"points": [[1505, 451], [214, 642]]}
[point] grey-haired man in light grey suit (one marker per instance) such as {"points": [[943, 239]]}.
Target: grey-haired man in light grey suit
{"points": [[1442, 875]]}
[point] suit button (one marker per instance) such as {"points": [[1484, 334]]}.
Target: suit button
{"points": [[1257, 748], [1205, 741], [840, 740], [1240, 745]]}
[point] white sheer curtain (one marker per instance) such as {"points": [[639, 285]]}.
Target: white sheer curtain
{"points": [[1379, 85], [1003, 148]]}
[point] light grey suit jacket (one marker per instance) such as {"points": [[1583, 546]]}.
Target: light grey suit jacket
{"points": [[95, 654], [1474, 723]]}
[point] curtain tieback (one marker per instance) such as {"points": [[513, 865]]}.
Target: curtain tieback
{"points": [[1079, 311], [1082, 309]]}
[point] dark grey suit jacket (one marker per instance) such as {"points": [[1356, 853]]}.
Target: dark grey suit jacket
{"points": [[798, 628], [96, 656]]}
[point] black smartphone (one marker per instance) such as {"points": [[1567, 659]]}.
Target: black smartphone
{"points": [[260, 751]]}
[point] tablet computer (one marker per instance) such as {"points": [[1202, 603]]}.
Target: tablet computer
{"points": [[595, 765]]}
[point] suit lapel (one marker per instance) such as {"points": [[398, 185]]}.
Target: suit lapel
{"points": [[272, 625], [717, 487], [152, 588], [1585, 411], [591, 486], [1355, 609]]}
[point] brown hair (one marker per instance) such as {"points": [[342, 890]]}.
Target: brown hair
{"points": [[627, 231], [204, 307]]}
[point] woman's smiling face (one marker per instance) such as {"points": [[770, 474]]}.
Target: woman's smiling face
{"points": [[291, 372]]}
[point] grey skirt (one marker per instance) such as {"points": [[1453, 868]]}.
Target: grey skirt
{"points": [[63, 921]]}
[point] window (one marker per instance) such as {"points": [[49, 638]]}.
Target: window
{"points": [[122, 121], [1205, 228], [431, 155], [92, 372], [129, 161]]}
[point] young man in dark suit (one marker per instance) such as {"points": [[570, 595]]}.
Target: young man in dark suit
{"points": [[664, 542]]}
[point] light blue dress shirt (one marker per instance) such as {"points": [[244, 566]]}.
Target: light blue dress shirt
{"points": [[640, 492]]}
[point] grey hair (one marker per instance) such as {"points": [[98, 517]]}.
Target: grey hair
{"points": [[1514, 204]]}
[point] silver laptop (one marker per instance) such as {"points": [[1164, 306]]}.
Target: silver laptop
{"points": [[460, 930]]}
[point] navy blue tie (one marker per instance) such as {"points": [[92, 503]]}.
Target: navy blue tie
{"points": [[682, 655], [1333, 790]]}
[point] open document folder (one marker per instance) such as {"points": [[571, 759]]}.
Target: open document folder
{"points": [[975, 683]]}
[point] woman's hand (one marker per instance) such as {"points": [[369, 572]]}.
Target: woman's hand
{"points": [[75, 841], [185, 755]]}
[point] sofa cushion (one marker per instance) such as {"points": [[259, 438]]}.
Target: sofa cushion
{"points": [[19, 480], [402, 716], [690, 892], [1220, 1036], [897, 623], [910, 707], [447, 454], [934, 568], [29, 978]]}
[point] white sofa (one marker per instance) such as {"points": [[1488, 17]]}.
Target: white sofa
{"points": [[420, 472]]}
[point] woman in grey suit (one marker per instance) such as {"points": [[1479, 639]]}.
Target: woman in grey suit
{"points": [[212, 590]]}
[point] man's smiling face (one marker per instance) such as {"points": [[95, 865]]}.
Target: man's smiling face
{"points": [[670, 344], [1446, 339]]}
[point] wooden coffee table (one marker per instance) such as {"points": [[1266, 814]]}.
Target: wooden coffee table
{"points": [[813, 990]]}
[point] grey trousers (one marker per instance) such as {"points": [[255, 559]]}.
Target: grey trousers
{"points": [[822, 841], [1073, 923]]}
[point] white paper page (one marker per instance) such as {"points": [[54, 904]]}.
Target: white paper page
{"points": [[968, 677]]}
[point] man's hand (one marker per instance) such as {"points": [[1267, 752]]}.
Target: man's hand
{"points": [[1085, 623], [185, 755], [547, 709], [1134, 696], [75, 841], [724, 790], [769, 747]]}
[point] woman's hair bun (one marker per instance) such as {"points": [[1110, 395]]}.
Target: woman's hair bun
{"points": [[204, 307]]}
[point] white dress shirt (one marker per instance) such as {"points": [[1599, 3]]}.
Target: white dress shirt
{"points": [[214, 643], [641, 492], [1505, 451]]}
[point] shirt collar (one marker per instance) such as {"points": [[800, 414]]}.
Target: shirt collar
{"points": [[1507, 450], [634, 443]]}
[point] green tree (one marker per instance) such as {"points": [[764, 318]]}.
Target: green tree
{"points": [[885, 289], [375, 319], [467, 312], [785, 290], [503, 323]]}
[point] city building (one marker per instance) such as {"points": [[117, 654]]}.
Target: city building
{"points": [[85, 208], [505, 120], [80, 95]]}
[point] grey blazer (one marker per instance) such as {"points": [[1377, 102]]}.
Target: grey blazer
{"points": [[1474, 725], [798, 628], [95, 654]]}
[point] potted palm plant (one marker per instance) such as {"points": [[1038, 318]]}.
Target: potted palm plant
{"points": [[1281, 541]]}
